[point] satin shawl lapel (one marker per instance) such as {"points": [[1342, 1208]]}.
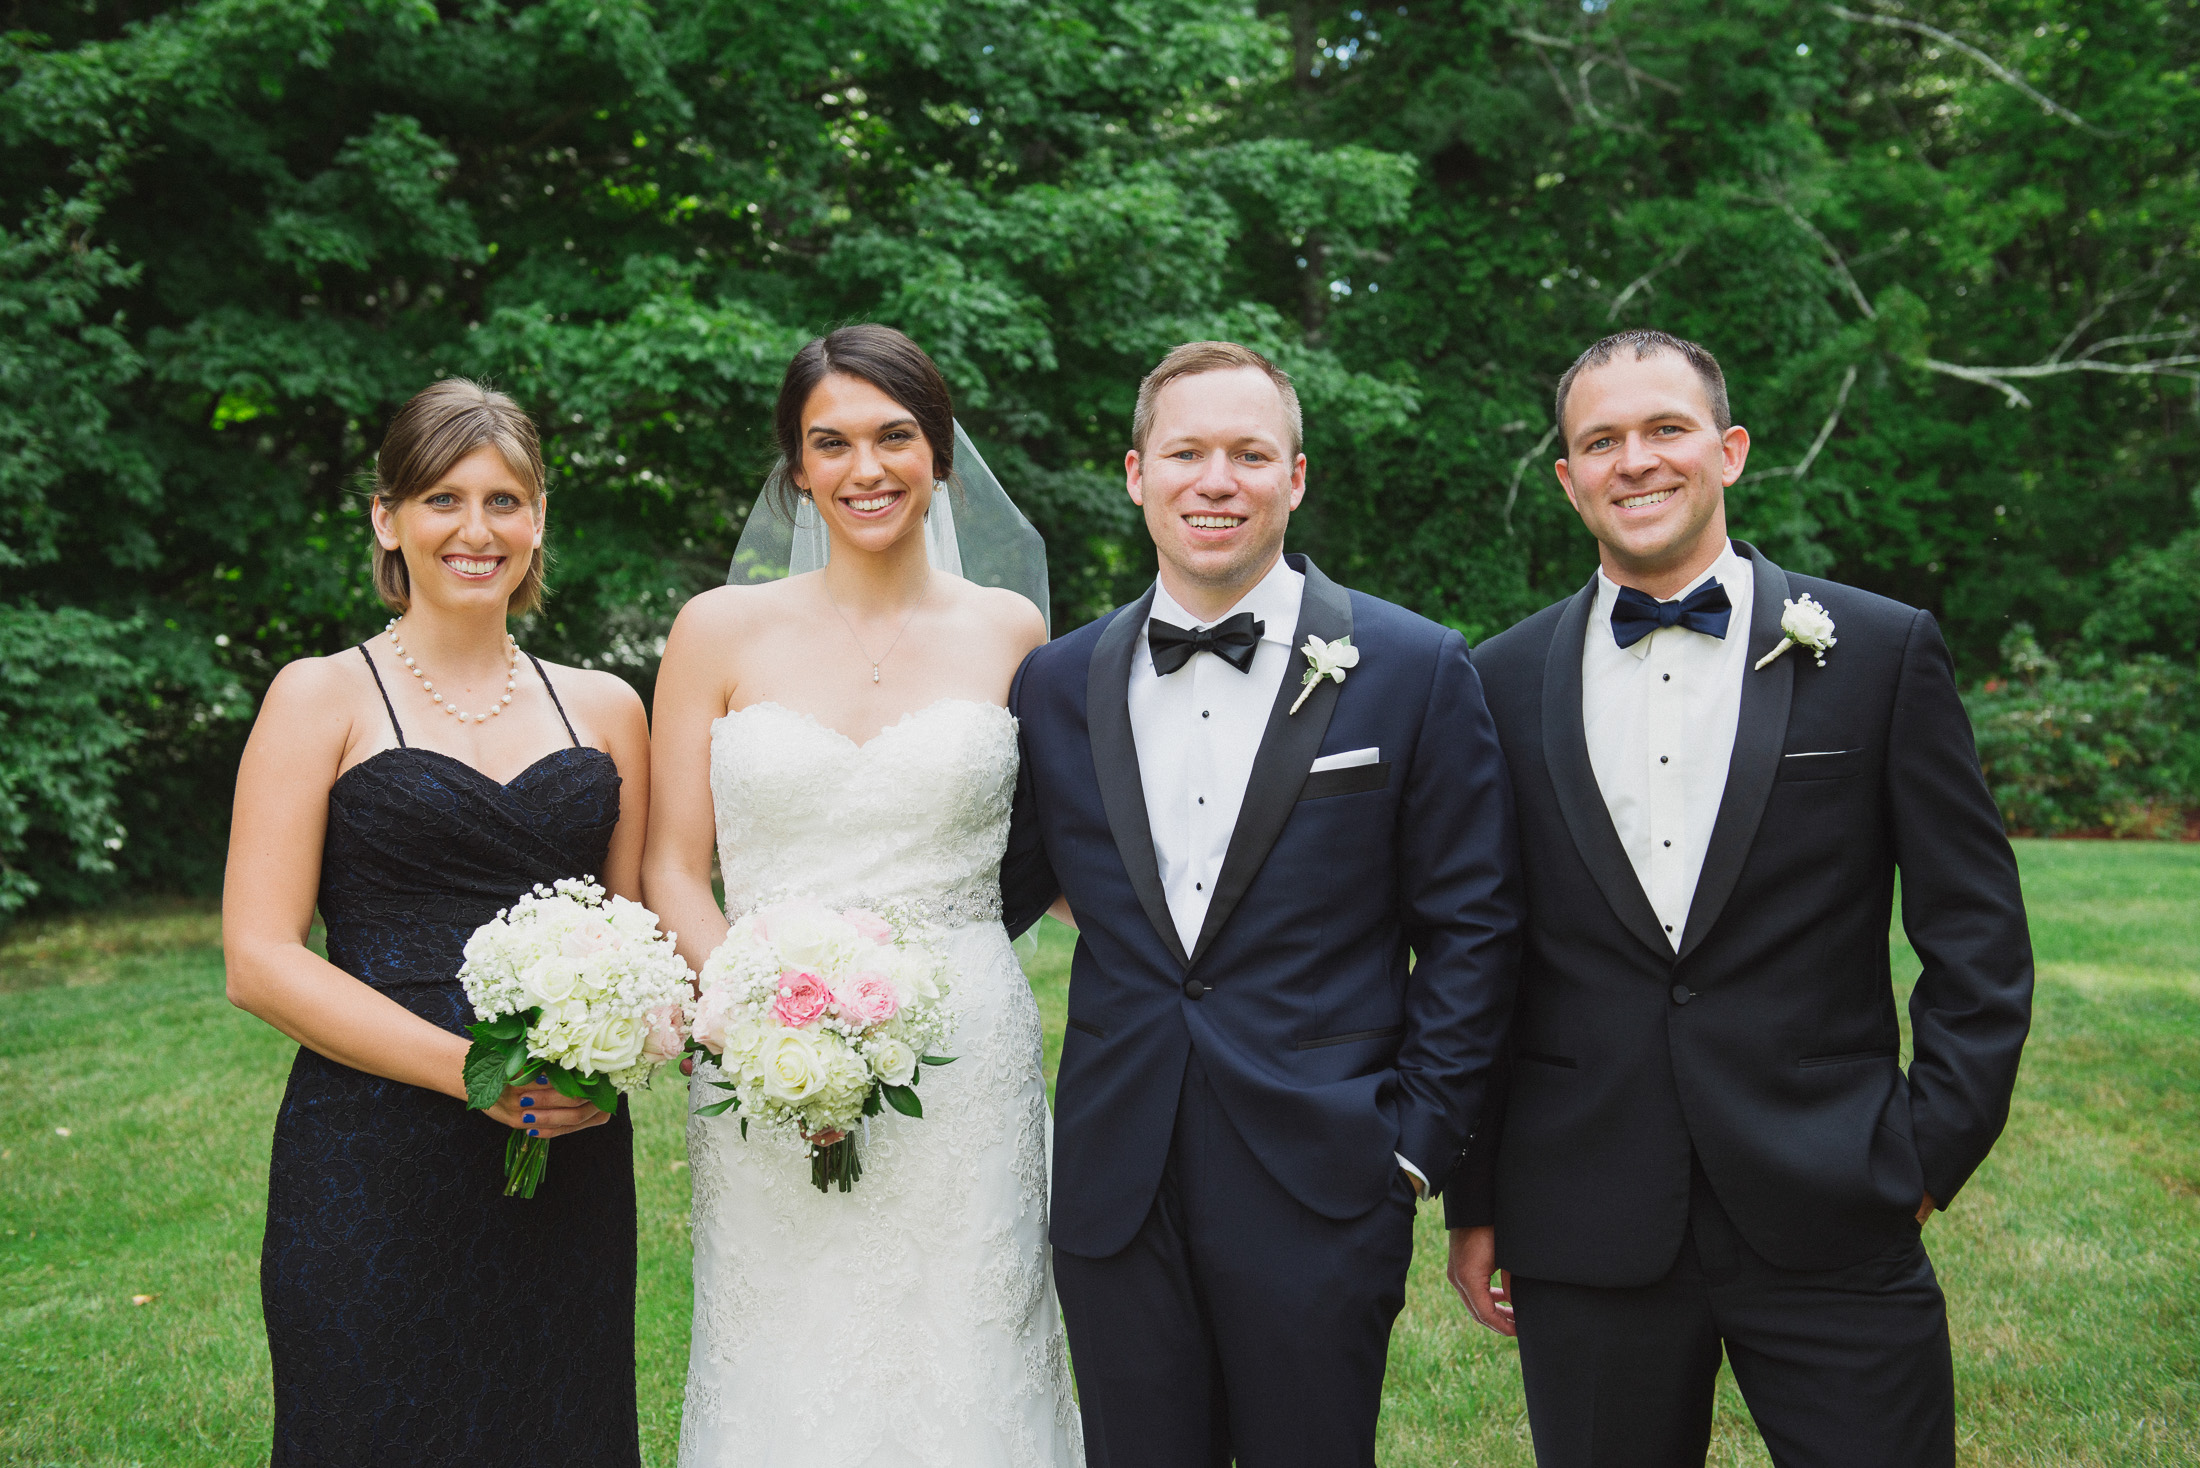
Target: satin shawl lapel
{"points": [[1758, 736], [1287, 750], [1574, 779], [1115, 762]]}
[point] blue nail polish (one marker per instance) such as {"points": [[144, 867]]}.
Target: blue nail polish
{"points": [[526, 1100], [532, 1132], [530, 1116], [543, 1079]]}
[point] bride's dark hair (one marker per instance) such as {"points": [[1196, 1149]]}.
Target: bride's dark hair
{"points": [[887, 360]]}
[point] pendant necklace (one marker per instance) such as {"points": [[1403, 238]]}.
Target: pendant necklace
{"points": [[907, 617], [511, 672]]}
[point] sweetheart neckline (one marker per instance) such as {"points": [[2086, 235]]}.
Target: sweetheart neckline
{"points": [[502, 786], [817, 723]]}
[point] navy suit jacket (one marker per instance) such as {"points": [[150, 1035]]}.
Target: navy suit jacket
{"points": [[1329, 1047]]}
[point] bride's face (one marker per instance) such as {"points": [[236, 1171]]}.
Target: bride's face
{"points": [[865, 463]]}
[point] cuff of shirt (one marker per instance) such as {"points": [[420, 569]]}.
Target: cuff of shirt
{"points": [[1416, 1173]]}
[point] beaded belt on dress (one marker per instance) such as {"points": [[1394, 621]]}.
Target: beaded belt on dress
{"points": [[960, 907]]}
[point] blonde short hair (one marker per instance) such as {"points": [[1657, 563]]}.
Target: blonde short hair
{"points": [[1196, 357], [441, 425]]}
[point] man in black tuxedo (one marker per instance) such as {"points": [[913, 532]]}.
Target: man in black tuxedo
{"points": [[1256, 1083], [1706, 1140]]}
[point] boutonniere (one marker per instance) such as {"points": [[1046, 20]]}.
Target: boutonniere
{"points": [[1806, 625], [1325, 660]]}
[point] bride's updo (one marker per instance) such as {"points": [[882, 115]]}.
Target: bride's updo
{"points": [[887, 360]]}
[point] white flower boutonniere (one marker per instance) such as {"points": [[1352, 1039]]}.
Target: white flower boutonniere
{"points": [[1806, 625], [1325, 660]]}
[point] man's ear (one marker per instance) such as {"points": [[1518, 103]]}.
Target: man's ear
{"points": [[1734, 447], [1566, 482], [1134, 479], [1298, 480]]}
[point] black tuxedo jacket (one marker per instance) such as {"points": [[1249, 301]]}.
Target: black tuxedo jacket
{"points": [[1329, 1052], [1768, 1043]]}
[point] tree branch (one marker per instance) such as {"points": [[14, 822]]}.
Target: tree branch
{"points": [[1520, 469], [1833, 257], [1833, 419], [1897, 23], [1999, 378], [1642, 281]]}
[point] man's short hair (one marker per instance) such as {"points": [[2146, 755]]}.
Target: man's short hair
{"points": [[1648, 343], [1196, 357]]}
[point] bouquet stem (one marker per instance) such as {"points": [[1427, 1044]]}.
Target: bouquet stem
{"points": [[524, 1159], [836, 1164]]}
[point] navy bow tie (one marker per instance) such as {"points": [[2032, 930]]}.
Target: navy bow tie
{"points": [[1635, 615], [1233, 639]]}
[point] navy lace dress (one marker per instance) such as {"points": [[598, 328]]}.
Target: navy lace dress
{"points": [[414, 1313]]}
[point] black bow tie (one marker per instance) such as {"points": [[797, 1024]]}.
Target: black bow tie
{"points": [[1233, 639], [1635, 615]]}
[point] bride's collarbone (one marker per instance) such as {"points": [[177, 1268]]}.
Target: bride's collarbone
{"points": [[859, 720]]}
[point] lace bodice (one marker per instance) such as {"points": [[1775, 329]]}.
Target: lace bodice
{"points": [[917, 817]]}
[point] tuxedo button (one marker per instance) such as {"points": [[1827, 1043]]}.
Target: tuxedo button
{"points": [[1193, 988], [1681, 994]]}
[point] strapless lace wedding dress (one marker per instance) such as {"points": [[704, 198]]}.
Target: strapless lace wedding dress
{"points": [[913, 1320]]}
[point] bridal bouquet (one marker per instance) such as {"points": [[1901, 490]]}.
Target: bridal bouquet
{"points": [[818, 1019], [569, 985]]}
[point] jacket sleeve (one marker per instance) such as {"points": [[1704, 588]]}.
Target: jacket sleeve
{"points": [[1461, 903], [1028, 883], [1964, 913]]}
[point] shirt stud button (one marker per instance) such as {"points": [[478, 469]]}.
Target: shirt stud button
{"points": [[1662, 759], [1668, 677], [1203, 713], [1669, 843], [1199, 886]]}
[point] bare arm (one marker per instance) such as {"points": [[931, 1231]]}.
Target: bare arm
{"points": [[615, 718], [692, 689], [268, 894]]}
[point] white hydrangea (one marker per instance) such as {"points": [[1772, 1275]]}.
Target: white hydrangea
{"points": [[595, 974]]}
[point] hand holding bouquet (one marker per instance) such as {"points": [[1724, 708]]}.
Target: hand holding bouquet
{"points": [[581, 990], [819, 1019]]}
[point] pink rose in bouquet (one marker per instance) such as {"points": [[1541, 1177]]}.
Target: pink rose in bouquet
{"points": [[803, 996], [867, 999]]}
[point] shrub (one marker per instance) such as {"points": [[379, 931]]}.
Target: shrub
{"points": [[2094, 744], [63, 687]]}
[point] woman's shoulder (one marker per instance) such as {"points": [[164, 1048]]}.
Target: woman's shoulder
{"points": [[1007, 614], [725, 610], [595, 693]]}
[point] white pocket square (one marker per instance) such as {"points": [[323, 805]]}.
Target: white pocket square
{"points": [[1350, 759]]}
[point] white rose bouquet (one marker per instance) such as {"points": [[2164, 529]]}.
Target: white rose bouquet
{"points": [[584, 990], [817, 1019]]}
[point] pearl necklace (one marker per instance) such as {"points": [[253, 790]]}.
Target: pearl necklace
{"points": [[511, 677]]}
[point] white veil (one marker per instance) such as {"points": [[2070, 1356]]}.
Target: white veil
{"points": [[973, 530]]}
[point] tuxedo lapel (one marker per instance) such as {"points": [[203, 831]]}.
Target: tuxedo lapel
{"points": [[1759, 734], [1287, 750], [1115, 762], [1574, 779]]}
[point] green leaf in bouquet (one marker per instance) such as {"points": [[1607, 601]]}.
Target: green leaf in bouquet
{"points": [[903, 1100], [510, 1027], [744, 1129], [568, 1084], [605, 1095], [720, 1108], [484, 1075], [937, 1059], [725, 1085], [515, 1059]]}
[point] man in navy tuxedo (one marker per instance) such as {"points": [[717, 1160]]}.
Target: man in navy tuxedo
{"points": [[1707, 1144], [1279, 815]]}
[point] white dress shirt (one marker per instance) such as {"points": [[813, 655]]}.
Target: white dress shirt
{"points": [[1198, 731], [1659, 718]]}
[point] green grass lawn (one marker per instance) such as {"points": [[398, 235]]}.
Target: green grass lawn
{"points": [[135, 1108]]}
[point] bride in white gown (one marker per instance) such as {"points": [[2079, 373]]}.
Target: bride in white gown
{"points": [[842, 735]]}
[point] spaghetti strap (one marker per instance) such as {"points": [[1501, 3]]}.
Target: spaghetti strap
{"points": [[380, 688], [553, 692]]}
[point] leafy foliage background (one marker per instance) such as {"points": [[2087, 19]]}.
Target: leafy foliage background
{"points": [[1944, 248]]}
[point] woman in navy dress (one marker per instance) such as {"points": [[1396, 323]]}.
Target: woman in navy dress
{"points": [[410, 788]]}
